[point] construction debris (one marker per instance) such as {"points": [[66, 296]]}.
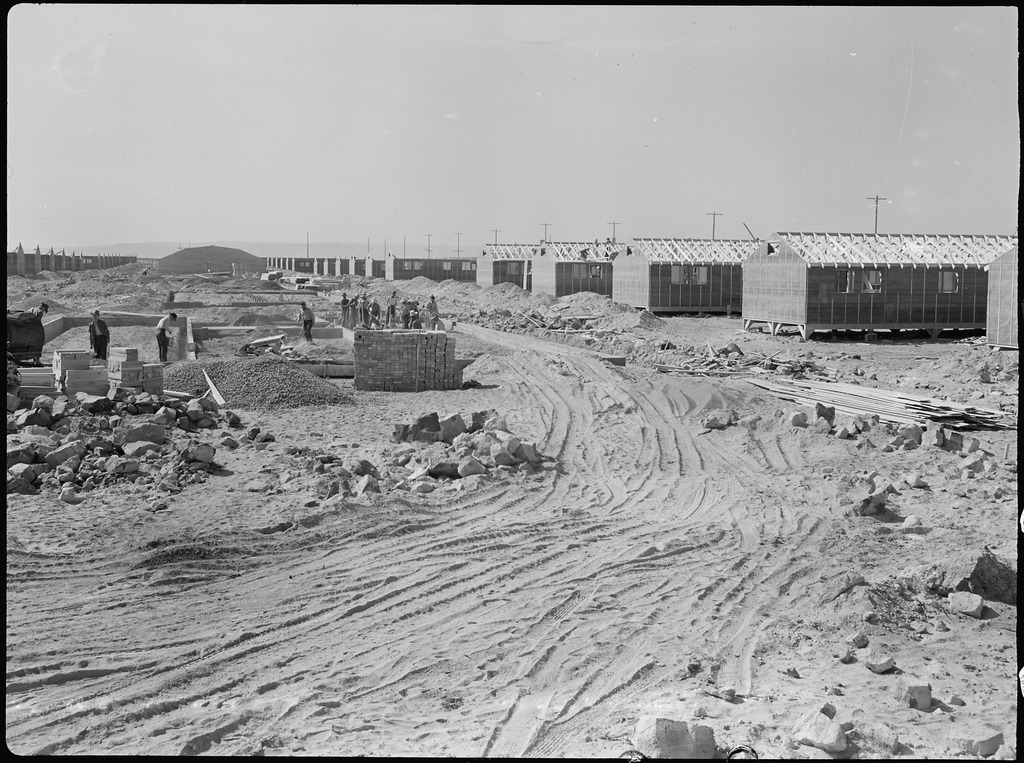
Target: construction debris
{"points": [[732, 361], [900, 408]]}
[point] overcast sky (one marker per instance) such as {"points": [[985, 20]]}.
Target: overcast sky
{"points": [[265, 123]]}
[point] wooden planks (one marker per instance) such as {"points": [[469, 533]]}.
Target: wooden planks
{"points": [[897, 407]]}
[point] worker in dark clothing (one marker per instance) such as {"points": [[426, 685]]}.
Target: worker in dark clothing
{"points": [[99, 335], [42, 310], [373, 314], [345, 304], [307, 318], [163, 338], [433, 315]]}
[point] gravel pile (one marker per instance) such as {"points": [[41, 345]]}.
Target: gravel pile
{"points": [[262, 383]]}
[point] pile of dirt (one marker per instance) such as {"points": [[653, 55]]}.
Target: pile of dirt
{"points": [[253, 319], [263, 383], [30, 303]]}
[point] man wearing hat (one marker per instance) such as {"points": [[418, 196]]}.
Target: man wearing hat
{"points": [[306, 316], [163, 339], [99, 335]]}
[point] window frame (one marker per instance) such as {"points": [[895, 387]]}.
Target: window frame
{"points": [[952, 274]]}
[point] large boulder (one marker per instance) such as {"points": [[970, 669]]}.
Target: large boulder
{"points": [[984, 573], [965, 603], [470, 466], [817, 729], [39, 417], [65, 452], [666, 738], [451, 427], [144, 432], [94, 404]]}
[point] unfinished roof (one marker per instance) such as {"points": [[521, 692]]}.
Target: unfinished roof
{"points": [[562, 251], [694, 249], [897, 249]]}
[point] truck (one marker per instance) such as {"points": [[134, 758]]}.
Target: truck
{"points": [[25, 337]]}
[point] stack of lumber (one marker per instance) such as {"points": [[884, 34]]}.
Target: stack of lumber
{"points": [[896, 407], [731, 361], [70, 360], [38, 381], [92, 381], [153, 378]]}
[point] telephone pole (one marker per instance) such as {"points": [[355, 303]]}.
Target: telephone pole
{"points": [[458, 251], [876, 198], [546, 231], [714, 218], [495, 231], [613, 230], [428, 244]]}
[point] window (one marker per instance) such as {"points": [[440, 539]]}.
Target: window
{"points": [[446, 266], [872, 281], [845, 281], [700, 274], [417, 266], [949, 283], [680, 274], [595, 271]]}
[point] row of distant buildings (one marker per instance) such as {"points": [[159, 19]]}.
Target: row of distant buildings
{"points": [[809, 281], [22, 263]]}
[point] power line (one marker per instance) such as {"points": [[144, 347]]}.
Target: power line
{"points": [[714, 219], [876, 198]]}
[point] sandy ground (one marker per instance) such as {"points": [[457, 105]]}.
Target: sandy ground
{"points": [[647, 566]]}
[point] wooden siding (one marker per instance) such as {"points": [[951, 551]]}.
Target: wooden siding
{"points": [[1003, 301], [435, 270], [597, 278], [631, 280], [723, 291], [775, 285], [511, 271], [378, 269], [910, 297]]}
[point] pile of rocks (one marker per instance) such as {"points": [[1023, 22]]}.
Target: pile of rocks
{"points": [[91, 441], [460, 452]]}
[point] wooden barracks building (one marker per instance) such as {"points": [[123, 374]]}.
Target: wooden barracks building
{"points": [[825, 281]]}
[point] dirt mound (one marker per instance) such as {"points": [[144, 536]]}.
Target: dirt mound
{"points": [[30, 303], [263, 383], [253, 319]]}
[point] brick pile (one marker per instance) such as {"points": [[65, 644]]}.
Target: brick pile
{"points": [[126, 371], [405, 361]]}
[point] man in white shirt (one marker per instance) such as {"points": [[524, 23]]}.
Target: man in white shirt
{"points": [[163, 338]]}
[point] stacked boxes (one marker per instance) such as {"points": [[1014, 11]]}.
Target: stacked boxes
{"points": [[70, 360], [405, 361]]}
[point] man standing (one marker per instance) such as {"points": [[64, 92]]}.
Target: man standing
{"points": [[41, 311], [163, 338], [345, 302], [99, 335], [392, 316], [307, 318], [373, 312], [433, 318]]}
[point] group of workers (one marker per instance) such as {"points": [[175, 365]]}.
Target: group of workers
{"points": [[364, 311]]}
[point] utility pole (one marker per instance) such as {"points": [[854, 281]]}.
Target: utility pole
{"points": [[495, 231], [876, 198], [613, 230], [428, 244], [714, 218], [546, 232], [458, 251]]}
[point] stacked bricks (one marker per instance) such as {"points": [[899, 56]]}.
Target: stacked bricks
{"points": [[124, 369], [405, 361]]}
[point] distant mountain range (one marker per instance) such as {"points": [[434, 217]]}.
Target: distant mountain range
{"points": [[157, 249]]}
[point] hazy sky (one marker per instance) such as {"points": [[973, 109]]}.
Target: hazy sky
{"points": [[265, 123]]}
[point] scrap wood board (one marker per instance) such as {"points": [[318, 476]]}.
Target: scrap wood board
{"points": [[888, 406]]}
